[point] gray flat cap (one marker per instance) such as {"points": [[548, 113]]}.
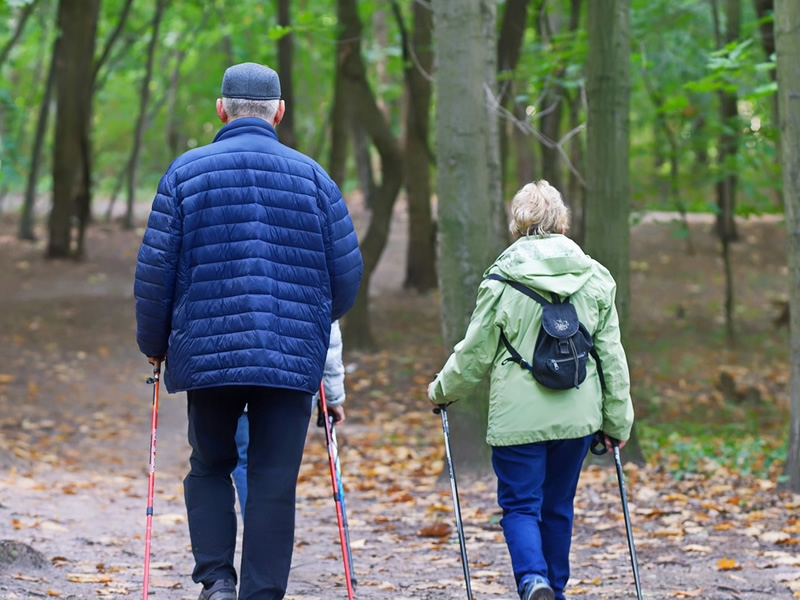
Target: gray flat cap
{"points": [[251, 81]]}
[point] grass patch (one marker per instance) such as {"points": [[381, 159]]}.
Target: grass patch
{"points": [[701, 448]]}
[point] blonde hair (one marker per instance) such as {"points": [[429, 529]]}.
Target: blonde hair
{"points": [[538, 209]]}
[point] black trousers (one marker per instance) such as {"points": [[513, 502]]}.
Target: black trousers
{"points": [[278, 425]]}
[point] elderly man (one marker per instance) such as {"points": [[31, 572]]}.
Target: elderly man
{"points": [[248, 256]]}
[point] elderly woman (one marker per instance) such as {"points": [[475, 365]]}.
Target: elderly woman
{"points": [[540, 436]]}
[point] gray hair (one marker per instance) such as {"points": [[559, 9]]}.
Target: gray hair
{"points": [[538, 209], [241, 107]]}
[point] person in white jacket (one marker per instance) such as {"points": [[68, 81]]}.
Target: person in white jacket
{"points": [[333, 380]]}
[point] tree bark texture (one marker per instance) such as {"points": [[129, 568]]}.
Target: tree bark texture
{"points": [[357, 95], [77, 22], [141, 121], [608, 147], [467, 230], [787, 41], [418, 159]]}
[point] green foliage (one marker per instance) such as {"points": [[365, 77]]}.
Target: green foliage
{"points": [[696, 448], [677, 75]]}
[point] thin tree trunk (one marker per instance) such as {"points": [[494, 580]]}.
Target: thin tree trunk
{"points": [[787, 26], [112, 39], [509, 46], [727, 184], [28, 218], [25, 13], [144, 98], [358, 95], [418, 59]]}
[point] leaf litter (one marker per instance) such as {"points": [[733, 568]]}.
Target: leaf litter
{"points": [[74, 441]]}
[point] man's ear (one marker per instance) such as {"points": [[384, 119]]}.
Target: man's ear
{"points": [[279, 113], [223, 116]]}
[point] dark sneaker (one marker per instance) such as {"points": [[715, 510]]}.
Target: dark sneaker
{"points": [[224, 589], [538, 589]]}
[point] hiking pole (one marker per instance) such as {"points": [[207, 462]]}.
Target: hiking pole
{"points": [[628, 530], [442, 410], [598, 448], [338, 490], [154, 381]]}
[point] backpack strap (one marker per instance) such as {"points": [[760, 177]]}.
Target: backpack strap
{"points": [[515, 356], [596, 357], [521, 288]]}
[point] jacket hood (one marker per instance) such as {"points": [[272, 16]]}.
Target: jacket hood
{"points": [[552, 263]]}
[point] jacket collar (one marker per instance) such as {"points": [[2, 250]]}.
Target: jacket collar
{"points": [[246, 125]]}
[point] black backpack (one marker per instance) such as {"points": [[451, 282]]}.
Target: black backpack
{"points": [[562, 347]]}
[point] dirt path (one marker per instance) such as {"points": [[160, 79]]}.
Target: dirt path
{"points": [[74, 441]]}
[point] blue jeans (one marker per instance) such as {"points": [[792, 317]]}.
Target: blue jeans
{"points": [[536, 485], [240, 472], [278, 422]]}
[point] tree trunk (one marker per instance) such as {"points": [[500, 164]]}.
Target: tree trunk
{"points": [[787, 25], [144, 98], [576, 190], [467, 234], [726, 185], [24, 14], [77, 22], [509, 45], [418, 61], [358, 96], [765, 12], [112, 40], [26, 224], [608, 146], [287, 132]]}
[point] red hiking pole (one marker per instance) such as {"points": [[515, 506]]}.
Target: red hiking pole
{"points": [[154, 380], [338, 492]]}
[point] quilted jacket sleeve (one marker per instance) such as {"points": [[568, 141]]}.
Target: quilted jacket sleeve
{"points": [[344, 257], [154, 285]]}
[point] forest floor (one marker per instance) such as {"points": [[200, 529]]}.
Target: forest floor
{"points": [[75, 434]]}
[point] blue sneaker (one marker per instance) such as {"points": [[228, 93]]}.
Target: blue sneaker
{"points": [[538, 589]]}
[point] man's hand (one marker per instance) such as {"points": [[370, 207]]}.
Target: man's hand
{"points": [[156, 360], [337, 412]]}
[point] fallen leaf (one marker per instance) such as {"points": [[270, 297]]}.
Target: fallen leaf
{"points": [[728, 564], [88, 578]]}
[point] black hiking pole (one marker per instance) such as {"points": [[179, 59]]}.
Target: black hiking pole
{"points": [[598, 448], [323, 419], [442, 410], [154, 381]]}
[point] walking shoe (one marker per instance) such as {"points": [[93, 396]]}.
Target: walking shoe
{"points": [[538, 589], [223, 589]]}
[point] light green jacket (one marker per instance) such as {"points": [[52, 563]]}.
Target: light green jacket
{"points": [[521, 410]]}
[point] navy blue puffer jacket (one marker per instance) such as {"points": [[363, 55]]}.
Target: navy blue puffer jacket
{"points": [[248, 256]]}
